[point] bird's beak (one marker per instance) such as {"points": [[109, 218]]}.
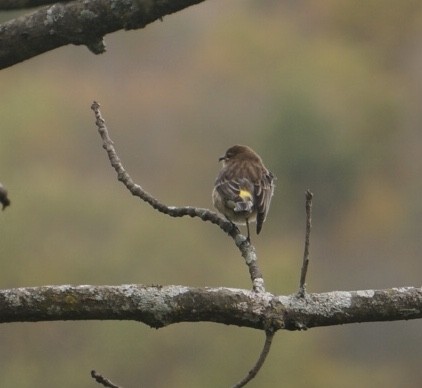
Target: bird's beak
{"points": [[221, 158]]}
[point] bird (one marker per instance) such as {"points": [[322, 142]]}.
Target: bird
{"points": [[243, 188]]}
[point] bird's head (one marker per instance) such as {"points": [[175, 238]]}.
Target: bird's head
{"points": [[239, 152]]}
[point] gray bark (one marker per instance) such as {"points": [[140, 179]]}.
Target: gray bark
{"points": [[159, 306], [78, 23]]}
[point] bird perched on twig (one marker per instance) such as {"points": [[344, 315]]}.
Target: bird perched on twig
{"points": [[243, 188]]}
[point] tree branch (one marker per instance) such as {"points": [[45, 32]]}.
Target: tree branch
{"points": [[80, 23], [159, 306]]}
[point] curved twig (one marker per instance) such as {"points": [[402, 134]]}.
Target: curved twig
{"points": [[246, 249], [269, 335]]}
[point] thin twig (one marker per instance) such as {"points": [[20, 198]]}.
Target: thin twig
{"points": [[102, 380], [269, 335], [246, 249], [302, 286]]}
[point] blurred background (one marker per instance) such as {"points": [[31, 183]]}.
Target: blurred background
{"points": [[328, 92]]}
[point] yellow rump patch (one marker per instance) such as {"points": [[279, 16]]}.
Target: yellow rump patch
{"points": [[245, 195]]}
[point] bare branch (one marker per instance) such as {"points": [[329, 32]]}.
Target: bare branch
{"points": [[79, 23], [303, 272], [102, 380], [246, 249], [159, 306], [269, 335]]}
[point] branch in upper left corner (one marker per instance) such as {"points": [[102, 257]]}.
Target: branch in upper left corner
{"points": [[79, 23]]}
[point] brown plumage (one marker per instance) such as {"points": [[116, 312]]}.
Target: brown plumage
{"points": [[243, 188]]}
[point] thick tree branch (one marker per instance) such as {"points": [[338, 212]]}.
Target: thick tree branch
{"points": [[80, 23], [246, 249], [159, 306]]}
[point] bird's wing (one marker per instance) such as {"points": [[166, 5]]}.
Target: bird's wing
{"points": [[263, 193]]}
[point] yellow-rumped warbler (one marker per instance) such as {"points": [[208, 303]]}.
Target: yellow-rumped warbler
{"points": [[243, 188]]}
